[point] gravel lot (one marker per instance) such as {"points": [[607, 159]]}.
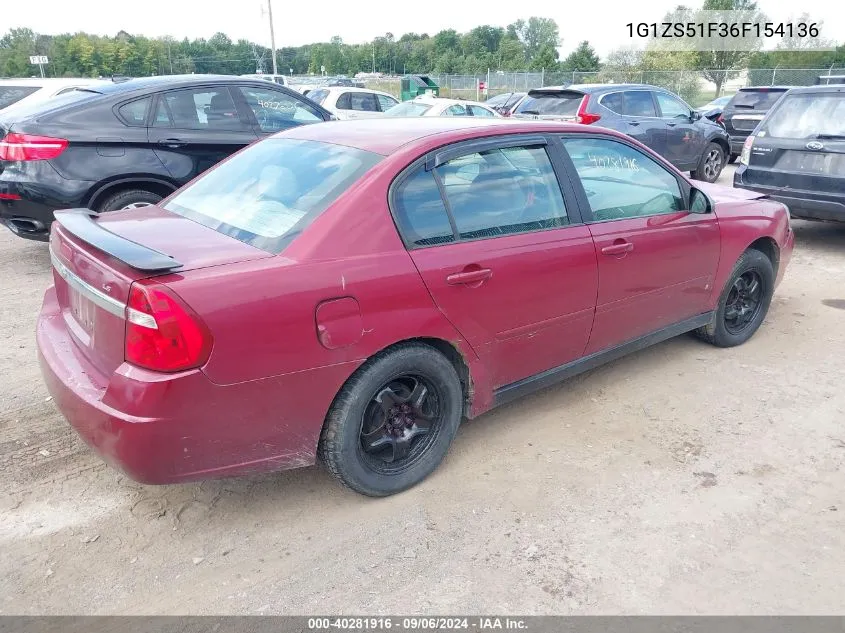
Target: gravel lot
{"points": [[682, 479]]}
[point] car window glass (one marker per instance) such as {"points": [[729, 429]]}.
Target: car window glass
{"points": [[456, 110], [363, 102], [420, 212], [13, 94], [161, 118], [760, 99], [276, 110], [670, 107], [639, 103], [622, 182], [614, 102], [503, 191], [479, 111], [135, 112], [385, 102], [318, 96], [202, 109]]}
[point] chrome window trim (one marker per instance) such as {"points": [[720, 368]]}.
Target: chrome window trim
{"points": [[98, 297]]}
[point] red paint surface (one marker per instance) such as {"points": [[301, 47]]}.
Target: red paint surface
{"points": [[260, 400]]}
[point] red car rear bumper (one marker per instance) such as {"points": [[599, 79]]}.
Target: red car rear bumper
{"points": [[191, 428]]}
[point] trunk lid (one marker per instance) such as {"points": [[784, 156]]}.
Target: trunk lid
{"points": [[96, 258]]}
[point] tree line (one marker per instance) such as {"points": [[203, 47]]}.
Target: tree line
{"points": [[530, 44]]}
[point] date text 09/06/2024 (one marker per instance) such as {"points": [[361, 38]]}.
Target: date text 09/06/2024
{"points": [[723, 29], [422, 623]]}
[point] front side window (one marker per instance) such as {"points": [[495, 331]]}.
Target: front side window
{"points": [[276, 110], [385, 102], [271, 191], [479, 111], [639, 103], [503, 191], [670, 107], [201, 109], [318, 96], [622, 182]]}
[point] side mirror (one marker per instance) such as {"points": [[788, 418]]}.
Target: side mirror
{"points": [[699, 202], [695, 115]]}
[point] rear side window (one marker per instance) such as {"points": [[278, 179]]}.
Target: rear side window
{"points": [[13, 94], [134, 113], [503, 191], [385, 102], [420, 212], [756, 99], [804, 116], [479, 111], [614, 102], [554, 104], [639, 103], [271, 191]]}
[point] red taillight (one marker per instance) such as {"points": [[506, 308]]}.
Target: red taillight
{"points": [[162, 333], [9, 196], [583, 116], [28, 147]]}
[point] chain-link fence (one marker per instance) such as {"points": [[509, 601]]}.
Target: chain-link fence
{"points": [[695, 86]]}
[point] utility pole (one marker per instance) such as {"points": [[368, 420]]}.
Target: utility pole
{"points": [[374, 57], [272, 36]]}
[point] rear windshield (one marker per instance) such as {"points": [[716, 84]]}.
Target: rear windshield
{"points": [[807, 116], [270, 192], [557, 104], [756, 99], [408, 108], [13, 94]]}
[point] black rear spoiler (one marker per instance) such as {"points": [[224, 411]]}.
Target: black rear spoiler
{"points": [[82, 223]]}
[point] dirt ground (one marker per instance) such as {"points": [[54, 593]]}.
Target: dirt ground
{"points": [[682, 479]]}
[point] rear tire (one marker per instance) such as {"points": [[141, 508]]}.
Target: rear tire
{"points": [[737, 318], [373, 439], [711, 164], [129, 199]]}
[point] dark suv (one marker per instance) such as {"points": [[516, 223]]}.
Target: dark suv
{"points": [[654, 116], [745, 110], [130, 144], [797, 154]]}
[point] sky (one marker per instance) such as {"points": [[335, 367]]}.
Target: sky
{"points": [[602, 22]]}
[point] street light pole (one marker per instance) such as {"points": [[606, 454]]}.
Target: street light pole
{"points": [[272, 36]]}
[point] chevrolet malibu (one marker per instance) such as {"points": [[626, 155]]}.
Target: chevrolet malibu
{"points": [[353, 290]]}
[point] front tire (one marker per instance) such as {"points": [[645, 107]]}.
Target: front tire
{"points": [[744, 302], [393, 421], [711, 164]]}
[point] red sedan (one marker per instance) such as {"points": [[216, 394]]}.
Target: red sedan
{"points": [[354, 289]]}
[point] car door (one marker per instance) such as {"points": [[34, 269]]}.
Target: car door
{"points": [[656, 259], [502, 251], [685, 141], [195, 128], [640, 120], [272, 109]]}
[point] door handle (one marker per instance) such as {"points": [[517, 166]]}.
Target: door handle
{"points": [[618, 248], [634, 123], [469, 277], [172, 142], [671, 124]]}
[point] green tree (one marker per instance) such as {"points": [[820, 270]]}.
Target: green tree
{"points": [[583, 58]]}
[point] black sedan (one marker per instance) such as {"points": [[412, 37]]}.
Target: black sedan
{"points": [[130, 144]]}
